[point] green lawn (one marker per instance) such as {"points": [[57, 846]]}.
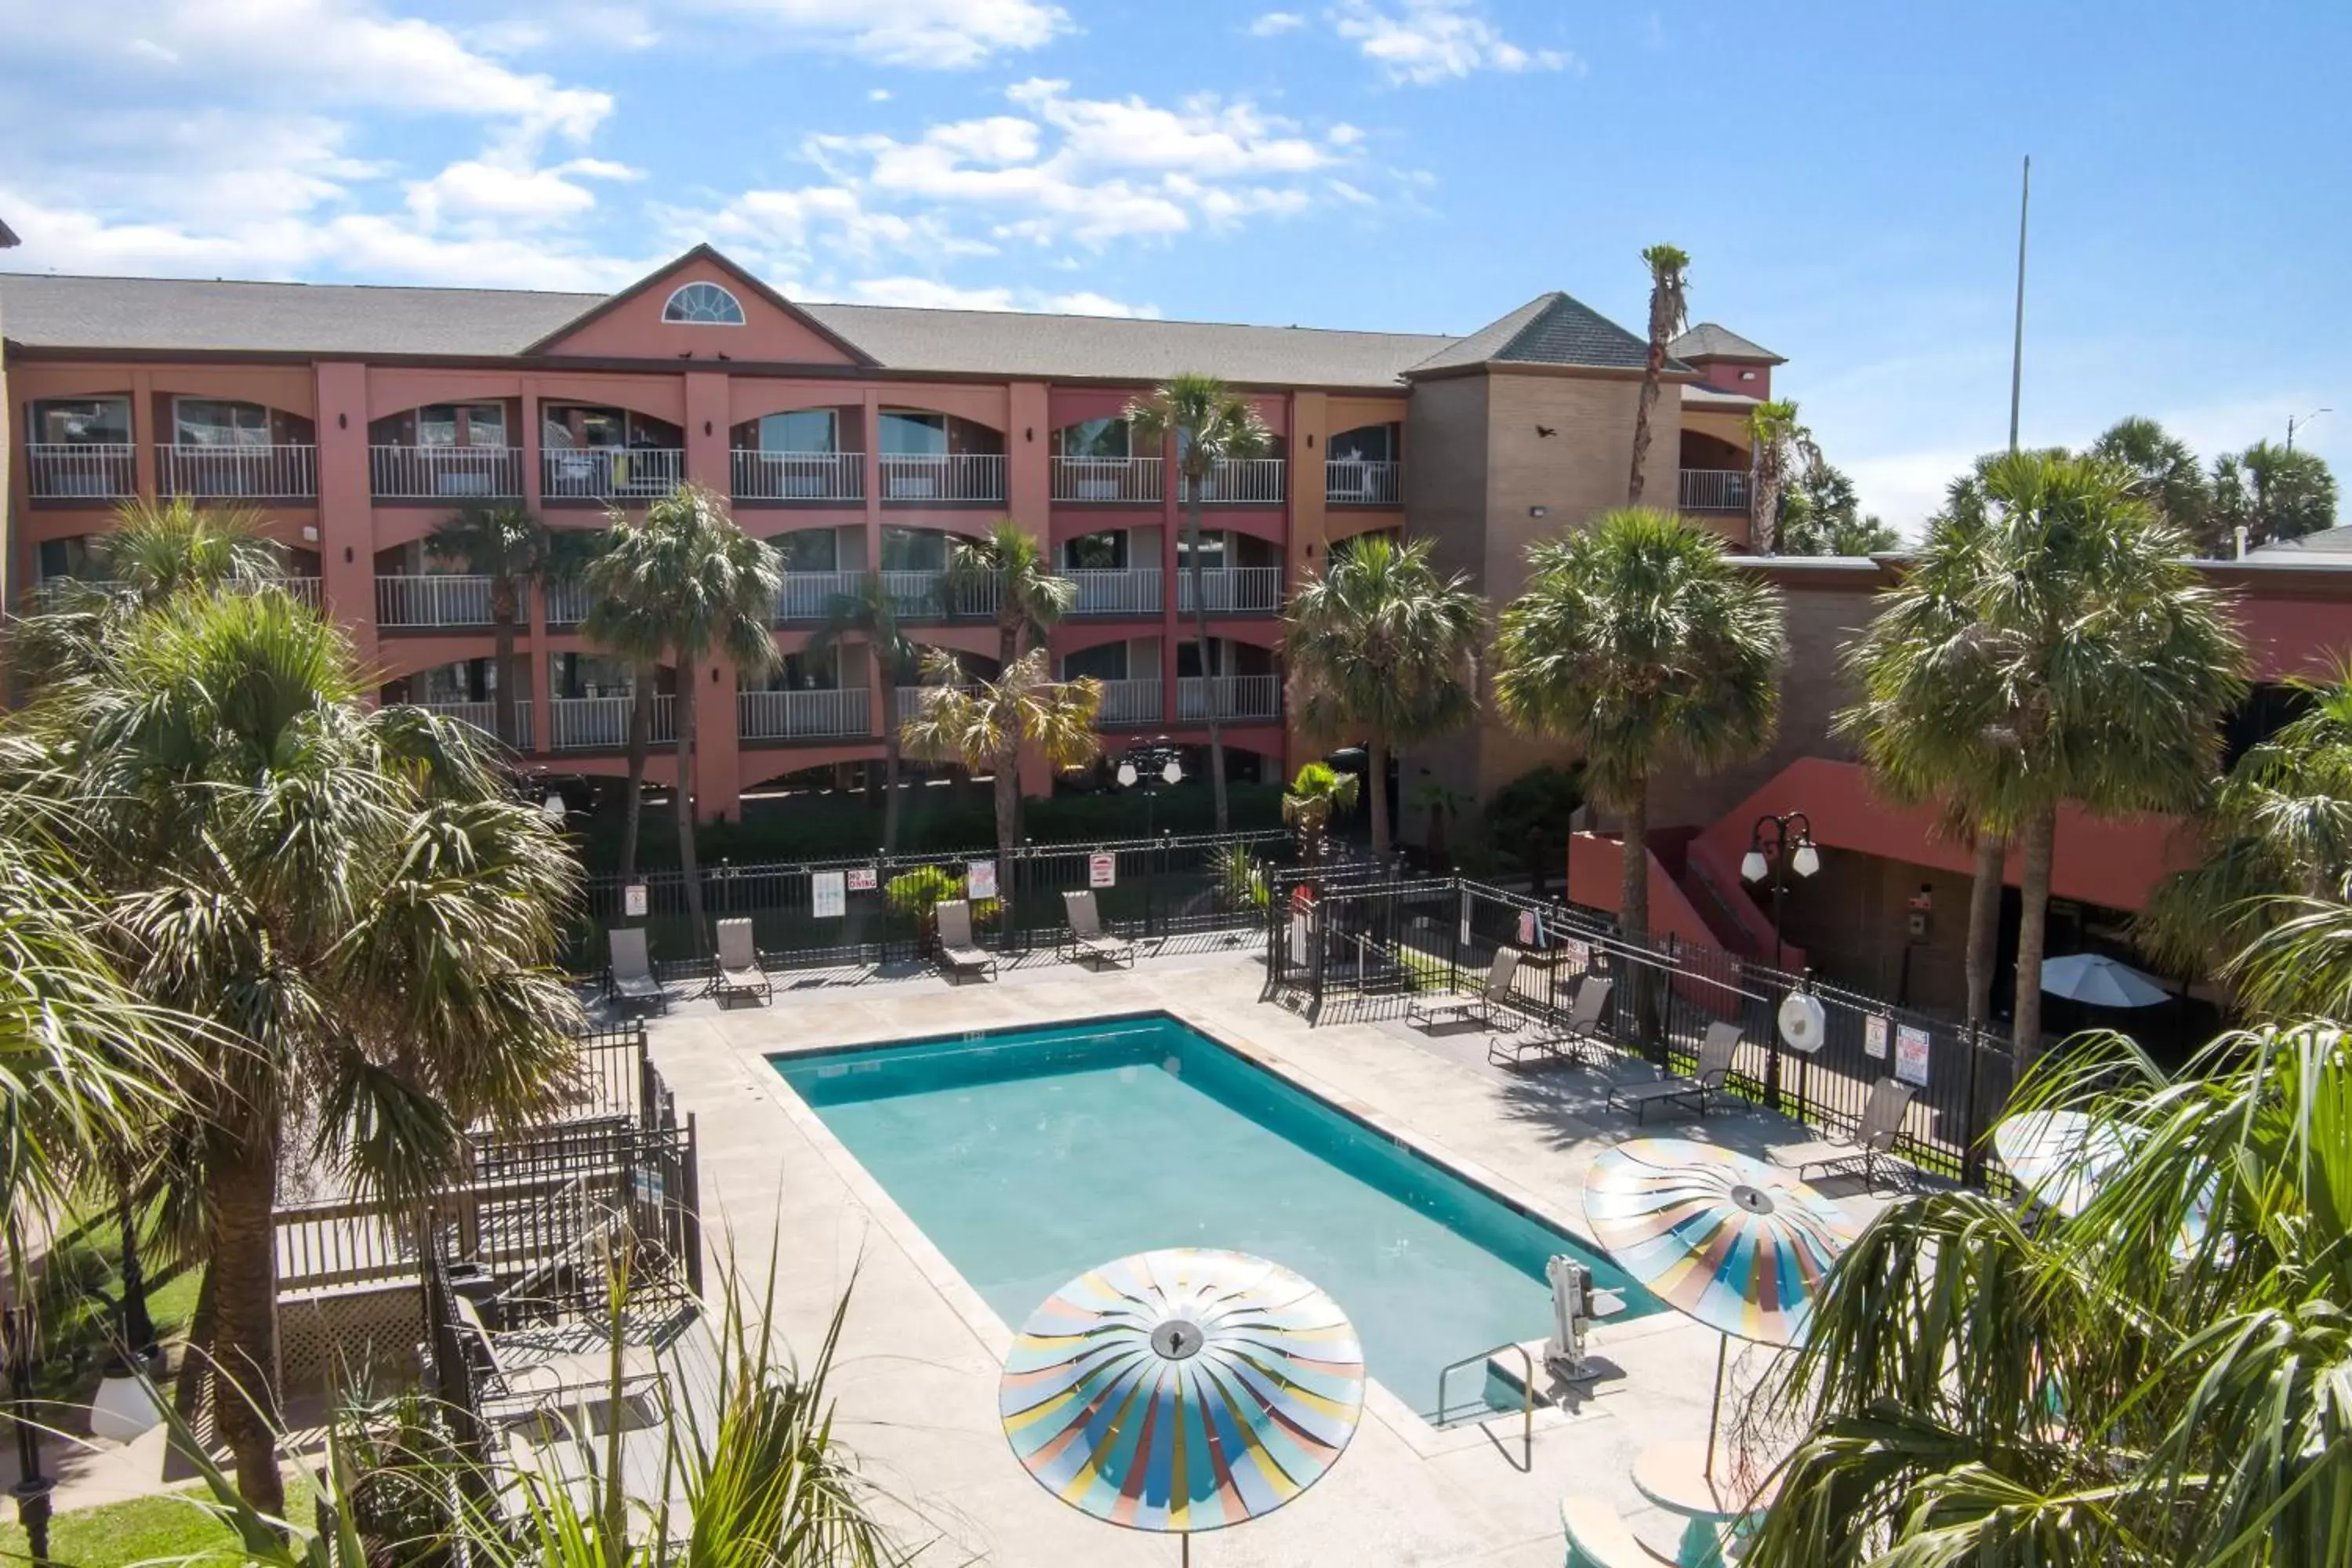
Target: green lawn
{"points": [[80, 1287], [168, 1526]]}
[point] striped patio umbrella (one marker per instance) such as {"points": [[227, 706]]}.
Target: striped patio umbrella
{"points": [[1182, 1389]]}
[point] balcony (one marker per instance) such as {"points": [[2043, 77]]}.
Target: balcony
{"points": [[484, 716], [1108, 480], [53, 593], [1244, 481], [809, 595], [800, 476], [1713, 490], [801, 715], [222, 473], [567, 603], [1237, 696], [915, 595], [80, 470], [446, 473], [1349, 482], [1116, 593], [610, 473], [907, 700], [1127, 703], [953, 478], [434, 599], [602, 724], [1232, 590]]}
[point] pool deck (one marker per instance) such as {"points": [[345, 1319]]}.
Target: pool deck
{"points": [[921, 1353]]}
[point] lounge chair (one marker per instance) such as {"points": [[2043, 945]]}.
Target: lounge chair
{"points": [[1577, 1037], [1086, 933], [1872, 1146], [1489, 1006], [958, 954], [1699, 1091], [629, 979], [1576, 1306], [740, 974]]}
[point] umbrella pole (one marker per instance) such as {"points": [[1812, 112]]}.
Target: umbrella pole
{"points": [[1715, 1406], [1187, 1540]]}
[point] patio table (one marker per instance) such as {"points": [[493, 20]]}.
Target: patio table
{"points": [[1720, 1508]]}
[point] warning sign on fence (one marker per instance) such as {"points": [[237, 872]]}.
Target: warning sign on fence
{"points": [[632, 900], [1874, 1037], [827, 890], [1911, 1055], [1102, 870], [861, 879], [980, 879]]}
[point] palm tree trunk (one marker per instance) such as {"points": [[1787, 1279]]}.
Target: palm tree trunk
{"points": [[2034, 930], [683, 796], [1376, 758], [1984, 923], [1008, 824], [1633, 864], [641, 741], [1652, 370], [890, 784], [1201, 639], [502, 617], [243, 1275]]}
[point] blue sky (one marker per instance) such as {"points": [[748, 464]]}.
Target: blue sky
{"points": [[1844, 176]]}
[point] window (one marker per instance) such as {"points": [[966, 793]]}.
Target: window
{"points": [[703, 305], [806, 671], [905, 435], [801, 430], [1366, 444], [83, 421], [913, 550], [1095, 553], [597, 675], [1213, 552], [809, 549], [214, 422], [1106, 661], [462, 424], [1092, 438], [65, 558]]}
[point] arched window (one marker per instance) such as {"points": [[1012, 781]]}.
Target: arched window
{"points": [[703, 305]]}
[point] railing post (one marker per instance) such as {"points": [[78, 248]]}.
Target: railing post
{"points": [[1972, 1166], [1771, 1057], [1315, 928]]}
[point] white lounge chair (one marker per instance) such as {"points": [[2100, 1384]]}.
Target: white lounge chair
{"points": [[740, 974], [1576, 1306], [1696, 1092], [1489, 1006], [1086, 933], [958, 954], [1578, 1037], [1872, 1146], [629, 979]]}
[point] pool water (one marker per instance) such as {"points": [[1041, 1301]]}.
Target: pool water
{"points": [[1028, 1156]]}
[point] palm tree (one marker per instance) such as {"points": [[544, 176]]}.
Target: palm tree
{"points": [[2155, 1381], [157, 548], [871, 612], [1209, 423], [513, 549], [351, 896], [1318, 793], [2272, 492], [1669, 311], [2050, 647], [986, 726], [2163, 471], [1637, 639], [1382, 647], [1531, 816], [1778, 443], [1010, 570], [684, 585]]}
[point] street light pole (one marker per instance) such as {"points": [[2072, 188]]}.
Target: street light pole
{"points": [[1151, 766], [32, 1489], [2292, 423], [1788, 846]]}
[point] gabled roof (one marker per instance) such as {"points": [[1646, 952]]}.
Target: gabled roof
{"points": [[7, 237], [1709, 341], [1552, 330], [703, 252]]}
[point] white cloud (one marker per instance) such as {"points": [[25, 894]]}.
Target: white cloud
{"points": [[930, 294], [1424, 41], [936, 35], [1276, 22]]}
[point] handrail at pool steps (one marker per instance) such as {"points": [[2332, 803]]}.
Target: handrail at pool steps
{"points": [[1527, 1392]]}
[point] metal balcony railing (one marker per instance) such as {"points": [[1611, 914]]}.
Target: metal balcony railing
{"points": [[567, 603], [484, 716], [1349, 483], [954, 477], [602, 724], [1108, 478], [610, 473], [80, 470], [799, 475], [1244, 481], [51, 591], [433, 599], [1713, 490], [794, 715], [1232, 590], [446, 473], [220, 473], [907, 700], [809, 595], [1126, 703], [1117, 593], [917, 596], [1237, 696]]}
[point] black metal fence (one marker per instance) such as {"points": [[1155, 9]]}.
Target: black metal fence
{"points": [[1349, 945]]}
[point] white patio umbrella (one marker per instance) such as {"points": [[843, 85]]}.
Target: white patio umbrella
{"points": [[2101, 981]]}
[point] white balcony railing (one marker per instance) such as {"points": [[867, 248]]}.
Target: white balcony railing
{"points": [[602, 724], [1106, 478], [800, 476], [954, 477], [909, 699], [1232, 590], [209, 473], [1713, 490], [809, 595], [445, 473], [917, 596], [1238, 697], [484, 716], [610, 473], [1129, 702], [304, 589], [80, 470], [1248, 481], [433, 599], [1117, 593], [1349, 482], [795, 715], [567, 603]]}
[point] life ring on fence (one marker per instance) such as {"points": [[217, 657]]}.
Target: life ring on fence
{"points": [[1803, 1023], [1301, 900]]}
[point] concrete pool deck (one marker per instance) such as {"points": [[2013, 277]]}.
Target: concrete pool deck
{"points": [[921, 1352]]}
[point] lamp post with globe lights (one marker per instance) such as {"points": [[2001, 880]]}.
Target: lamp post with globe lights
{"points": [[1778, 845], [1154, 767]]}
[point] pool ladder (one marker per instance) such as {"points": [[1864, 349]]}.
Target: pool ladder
{"points": [[1526, 1394]]}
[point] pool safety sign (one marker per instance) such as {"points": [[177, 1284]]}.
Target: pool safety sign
{"points": [[1102, 869], [862, 880], [828, 895], [1874, 1037], [1911, 1055], [632, 900], [980, 879]]}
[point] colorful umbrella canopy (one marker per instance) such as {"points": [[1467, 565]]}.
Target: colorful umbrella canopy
{"points": [[1731, 1241], [1182, 1389], [2059, 1157]]}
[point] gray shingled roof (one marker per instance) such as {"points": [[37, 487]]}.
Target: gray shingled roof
{"points": [[1709, 341], [7, 237], [1698, 395], [182, 315], [1551, 329]]}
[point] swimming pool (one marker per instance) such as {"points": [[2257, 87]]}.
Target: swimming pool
{"points": [[1029, 1155]]}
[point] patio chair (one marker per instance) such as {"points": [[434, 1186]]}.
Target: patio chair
{"points": [[1488, 1006], [1872, 1146], [958, 954], [1086, 931], [1699, 1091], [740, 974], [1578, 1037], [629, 978]]}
